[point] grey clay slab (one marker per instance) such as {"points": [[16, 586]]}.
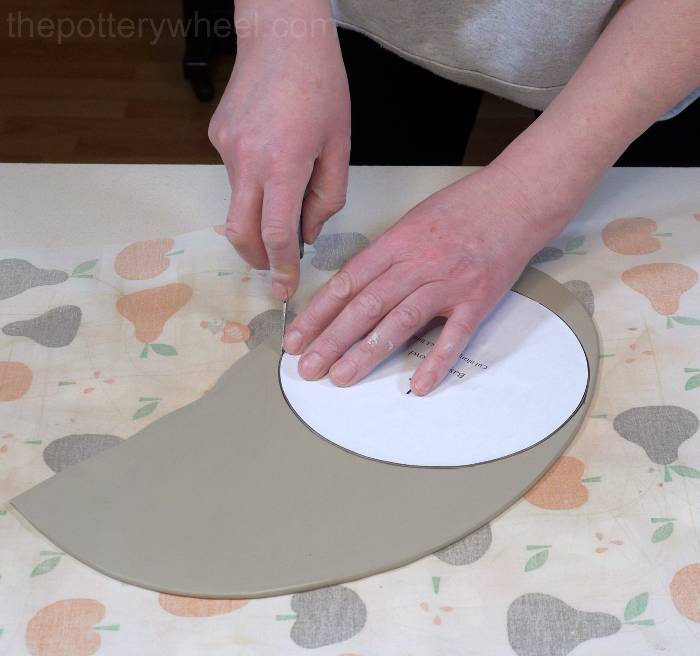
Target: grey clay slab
{"points": [[232, 496]]}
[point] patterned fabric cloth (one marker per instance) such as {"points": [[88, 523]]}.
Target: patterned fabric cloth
{"points": [[602, 556]]}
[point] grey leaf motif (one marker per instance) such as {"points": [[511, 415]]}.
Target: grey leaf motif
{"points": [[574, 243], [663, 532], [636, 606], [16, 276], [145, 410], [547, 254], [84, 267], [55, 328], [536, 561], [686, 321], [686, 472], [45, 566], [164, 349], [692, 382]]}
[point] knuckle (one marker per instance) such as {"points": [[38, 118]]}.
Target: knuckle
{"points": [[275, 236], [336, 203], [323, 206], [243, 145], [329, 344], [330, 203], [409, 316], [308, 320], [218, 134], [278, 163], [444, 357], [370, 304], [242, 148], [366, 348], [338, 149], [342, 286], [463, 326], [237, 234]]}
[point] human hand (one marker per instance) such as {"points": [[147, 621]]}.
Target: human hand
{"points": [[282, 129], [453, 255]]}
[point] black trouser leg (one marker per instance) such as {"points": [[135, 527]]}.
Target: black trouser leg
{"points": [[675, 142], [401, 113]]}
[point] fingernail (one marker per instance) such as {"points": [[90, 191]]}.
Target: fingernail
{"points": [[310, 365], [280, 291], [424, 383], [292, 342], [343, 372]]}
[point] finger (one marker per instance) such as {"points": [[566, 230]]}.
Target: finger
{"points": [[243, 222], [358, 318], [398, 326], [454, 337], [327, 188], [281, 212], [328, 302]]}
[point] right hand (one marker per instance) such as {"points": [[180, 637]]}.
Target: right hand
{"points": [[282, 129]]}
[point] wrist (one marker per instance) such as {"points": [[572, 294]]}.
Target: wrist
{"points": [[535, 216], [556, 166], [282, 20]]}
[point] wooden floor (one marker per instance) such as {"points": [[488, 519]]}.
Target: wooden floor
{"points": [[124, 100]]}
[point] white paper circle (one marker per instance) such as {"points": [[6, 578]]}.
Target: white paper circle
{"points": [[520, 379]]}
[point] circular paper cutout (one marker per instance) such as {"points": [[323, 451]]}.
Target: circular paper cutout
{"points": [[522, 376]]}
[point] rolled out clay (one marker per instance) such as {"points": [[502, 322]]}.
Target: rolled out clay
{"points": [[233, 497]]}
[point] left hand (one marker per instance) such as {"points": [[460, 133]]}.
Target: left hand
{"points": [[453, 255]]}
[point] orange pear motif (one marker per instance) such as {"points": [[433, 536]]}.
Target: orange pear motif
{"points": [[662, 283], [149, 309]]}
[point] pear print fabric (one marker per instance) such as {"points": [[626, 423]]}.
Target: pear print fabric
{"points": [[601, 556]]}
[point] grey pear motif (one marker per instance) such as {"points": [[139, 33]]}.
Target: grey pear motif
{"points": [[583, 292], [16, 276], [327, 616], [332, 251], [71, 449], [467, 550], [54, 328], [265, 325], [547, 254], [541, 625], [658, 429]]}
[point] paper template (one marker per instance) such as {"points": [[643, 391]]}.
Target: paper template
{"points": [[521, 377]]}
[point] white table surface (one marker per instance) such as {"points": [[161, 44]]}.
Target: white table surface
{"points": [[44, 205]]}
